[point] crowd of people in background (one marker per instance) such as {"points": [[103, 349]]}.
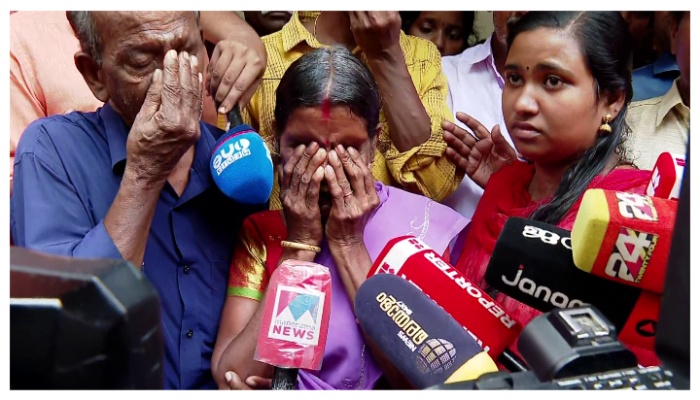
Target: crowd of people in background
{"points": [[378, 124]]}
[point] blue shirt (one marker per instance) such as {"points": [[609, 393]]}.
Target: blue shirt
{"points": [[68, 169], [655, 79]]}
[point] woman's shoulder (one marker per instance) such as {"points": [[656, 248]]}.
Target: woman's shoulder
{"points": [[623, 178], [265, 221]]}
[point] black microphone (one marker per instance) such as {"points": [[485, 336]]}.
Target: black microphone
{"points": [[234, 117], [532, 262]]}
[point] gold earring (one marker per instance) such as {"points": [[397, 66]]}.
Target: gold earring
{"points": [[606, 124]]}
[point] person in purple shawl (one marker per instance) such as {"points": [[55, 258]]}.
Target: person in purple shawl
{"points": [[327, 119]]}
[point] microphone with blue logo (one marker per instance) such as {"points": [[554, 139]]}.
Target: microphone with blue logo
{"points": [[241, 164]]}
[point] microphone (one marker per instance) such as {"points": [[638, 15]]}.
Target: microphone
{"points": [[532, 262], [413, 260], [241, 164], [295, 319], [666, 176], [624, 237], [419, 338]]}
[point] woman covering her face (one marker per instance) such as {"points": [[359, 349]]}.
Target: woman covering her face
{"points": [[567, 87], [334, 213]]}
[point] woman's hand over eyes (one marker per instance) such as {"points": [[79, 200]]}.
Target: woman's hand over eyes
{"points": [[354, 197], [300, 182]]}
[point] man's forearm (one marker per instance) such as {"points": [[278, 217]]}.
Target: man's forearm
{"points": [[128, 220], [409, 123], [221, 25]]}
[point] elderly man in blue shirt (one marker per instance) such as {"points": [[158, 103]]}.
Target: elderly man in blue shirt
{"points": [[132, 180]]}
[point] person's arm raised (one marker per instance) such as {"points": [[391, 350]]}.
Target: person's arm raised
{"points": [[377, 33], [238, 61], [165, 128]]}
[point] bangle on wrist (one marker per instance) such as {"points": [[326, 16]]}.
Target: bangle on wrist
{"points": [[300, 246]]}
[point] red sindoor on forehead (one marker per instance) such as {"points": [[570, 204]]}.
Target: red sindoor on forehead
{"points": [[326, 112], [326, 108]]}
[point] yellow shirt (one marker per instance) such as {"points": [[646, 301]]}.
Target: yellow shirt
{"points": [[658, 124], [424, 169]]}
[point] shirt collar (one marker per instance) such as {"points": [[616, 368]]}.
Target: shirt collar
{"points": [[482, 53], [665, 63], [478, 53], [117, 132], [669, 101], [294, 32], [200, 173]]}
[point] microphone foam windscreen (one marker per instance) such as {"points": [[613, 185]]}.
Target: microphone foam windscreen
{"points": [[241, 166], [624, 237]]}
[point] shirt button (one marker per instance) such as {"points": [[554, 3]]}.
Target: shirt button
{"points": [[189, 334], [186, 269]]}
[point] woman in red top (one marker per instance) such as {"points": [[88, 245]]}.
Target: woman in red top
{"points": [[567, 86]]}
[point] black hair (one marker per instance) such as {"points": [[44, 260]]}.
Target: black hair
{"points": [[605, 44], [468, 17], [328, 76]]}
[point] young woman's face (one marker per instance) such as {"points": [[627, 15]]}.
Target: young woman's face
{"points": [[549, 99], [328, 127], [444, 28]]}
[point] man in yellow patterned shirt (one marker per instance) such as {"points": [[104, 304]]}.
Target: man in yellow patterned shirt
{"points": [[408, 71]]}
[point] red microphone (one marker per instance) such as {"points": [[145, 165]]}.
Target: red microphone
{"points": [[413, 260], [624, 237], [666, 176], [294, 324]]}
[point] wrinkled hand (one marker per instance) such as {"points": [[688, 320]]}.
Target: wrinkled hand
{"points": [[300, 182], [234, 382], [234, 72], [478, 157], [168, 122], [354, 197], [376, 32]]}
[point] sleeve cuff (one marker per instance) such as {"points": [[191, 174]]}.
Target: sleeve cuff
{"points": [[245, 292], [97, 244]]}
